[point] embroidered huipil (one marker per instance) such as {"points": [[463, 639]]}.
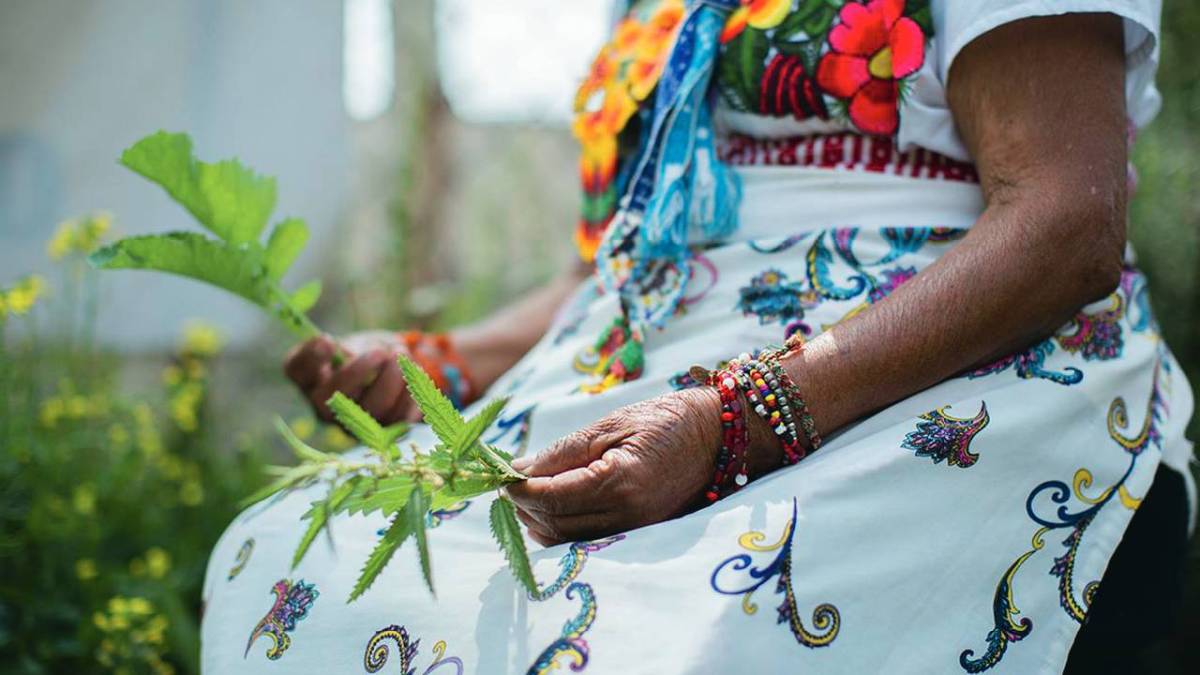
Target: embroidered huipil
{"points": [[964, 529]]}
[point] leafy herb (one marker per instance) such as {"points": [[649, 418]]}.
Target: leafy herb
{"points": [[406, 488], [233, 203]]}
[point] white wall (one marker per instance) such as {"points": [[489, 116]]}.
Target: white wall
{"points": [[82, 79]]}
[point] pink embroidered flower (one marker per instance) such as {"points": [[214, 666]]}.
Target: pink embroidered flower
{"points": [[872, 48]]}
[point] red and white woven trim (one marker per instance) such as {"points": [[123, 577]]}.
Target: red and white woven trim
{"points": [[846, 152]]}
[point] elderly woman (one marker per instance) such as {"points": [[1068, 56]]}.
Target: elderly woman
{"points": [[924, 203]]}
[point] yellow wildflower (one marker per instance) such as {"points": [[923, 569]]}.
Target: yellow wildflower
{"points": [[100, 619], [140, 606], [52, 409], [78, 235], [201, 339], [171, 376], [158, 563], [84, 500], [336, 439], [85, 569], [77, 407], [191, 493], [19, 298], [303, 427]]}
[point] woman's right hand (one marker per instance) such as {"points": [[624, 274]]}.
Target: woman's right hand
{"points": [[368, 374]]}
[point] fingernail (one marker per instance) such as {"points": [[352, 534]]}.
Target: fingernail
{"points": [[522, 463]]}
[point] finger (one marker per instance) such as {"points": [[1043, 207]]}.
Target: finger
{"points": [[576, 491], [537, 531], [580, 527], [380, 398], [303, 363], [350, 379], [572, 451]]}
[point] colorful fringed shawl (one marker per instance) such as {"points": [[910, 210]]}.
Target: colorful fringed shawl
{"points": [[650, 173]]}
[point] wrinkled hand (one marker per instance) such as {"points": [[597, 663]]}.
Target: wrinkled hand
{"points": [[369, 375], [642, 464]]}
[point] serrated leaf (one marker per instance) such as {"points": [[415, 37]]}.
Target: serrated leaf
{"points": [[439, 412], [318, 517], [501, 462], [304, 451], [507, 532], [284, 245], [463, 488], [228, 198], [470, 432], [414, 512], [386, 495], [306, 296], [358, 422], [394, 432], [387, 546], [238, 269]]}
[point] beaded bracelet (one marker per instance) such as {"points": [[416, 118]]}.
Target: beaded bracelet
{"points": [[436, 355], [767, 399], [734, 438]]}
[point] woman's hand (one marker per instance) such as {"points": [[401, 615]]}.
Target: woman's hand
{"points": [[642, 464], [370, 375]]}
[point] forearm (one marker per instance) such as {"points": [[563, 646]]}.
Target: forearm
{"points": [[491, 346]]}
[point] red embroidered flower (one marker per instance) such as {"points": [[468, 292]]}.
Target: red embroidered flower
{"points": [[872, 48]]}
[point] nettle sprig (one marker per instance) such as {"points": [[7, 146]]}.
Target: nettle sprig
{"points": [[234, 203], [404, 487]]}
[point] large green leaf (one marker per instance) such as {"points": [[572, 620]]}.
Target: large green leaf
{"points": [[304, 451], [507, 531], [286, 242], [226, 197], [359, 422], [388, 544], [238, 269], [306, 296], [318, 517], [439, 412], [386, 495]]}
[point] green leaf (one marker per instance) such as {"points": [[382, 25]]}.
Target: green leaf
{"points": [[500, 461], [238, 269], [414, 513], [439, 412], [229, 199], [318, 517], [306, 296], [507, 532], [304, 451], [386, 495], [470, 432], [388, 544], [286, 242], [359, 422]]}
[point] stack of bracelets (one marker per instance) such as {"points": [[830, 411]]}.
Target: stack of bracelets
{"points": [[760, 384], [437, 357]]}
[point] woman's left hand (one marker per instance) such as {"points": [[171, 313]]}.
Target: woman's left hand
{"points": [[642, 464]]}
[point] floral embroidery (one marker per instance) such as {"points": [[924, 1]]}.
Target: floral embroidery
{"points": [[1096, 336], [1009, 626], [436, 517], [825, 618], [292, 602], [517, 425], [376, 655], [872, 50], [243, 557], [616, 357], [622, 75], [942, 437], [757, 13], [570, 643], [772, 297], [815, 61]]}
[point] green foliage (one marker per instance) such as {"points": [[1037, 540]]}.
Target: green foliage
{"points": [[507, 532], [405, 488], [233, 203], [110, 500]]}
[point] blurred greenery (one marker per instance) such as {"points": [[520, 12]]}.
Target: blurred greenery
{"points": [[118, 472]]}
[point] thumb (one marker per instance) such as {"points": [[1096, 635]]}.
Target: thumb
{"points": [[573, 451]]}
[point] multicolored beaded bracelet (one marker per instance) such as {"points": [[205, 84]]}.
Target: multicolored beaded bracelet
{"points": [[731, 458]]}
